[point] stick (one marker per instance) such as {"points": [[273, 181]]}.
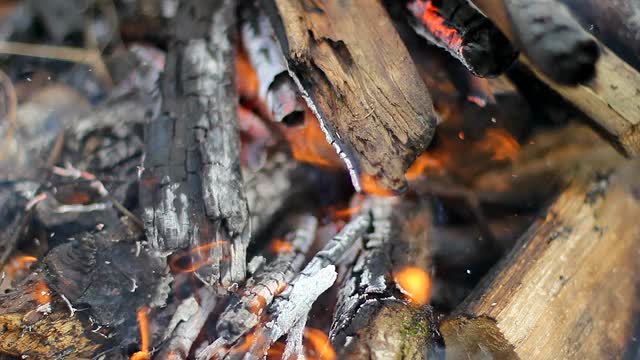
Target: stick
{"points": [[266, 283], [319, 274], [611, 99], [191, 187], [570, 279], [357, 77]]}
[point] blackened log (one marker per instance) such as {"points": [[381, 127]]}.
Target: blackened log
{"points": [[610, 99], [359, 80], [276, 86], [372, 318], [459, 28], [191, 187], [570, 279]]}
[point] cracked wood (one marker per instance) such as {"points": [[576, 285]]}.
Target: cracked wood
{"points": [[357, 76]]}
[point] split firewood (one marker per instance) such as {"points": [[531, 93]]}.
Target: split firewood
{"points": [[276, 86], [191, 187], [317, 276], [372, 318], [359, 80], [575, 271], [465, 33], [610, 99]]}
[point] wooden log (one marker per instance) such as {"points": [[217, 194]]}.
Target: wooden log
{"points": [[191, 187], [358, 78], [569, 289], [465, 33], [611, 99], [373, 320]]}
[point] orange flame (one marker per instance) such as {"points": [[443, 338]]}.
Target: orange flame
{"points": [[415, 283], [423, 163], [19, 263], [144, 353], [194, 259], [501, 143], [309, 144], [42, 293], [345, 214], [320, 346], [281, 245], [247, 79], [431, 19], [370, 186]]}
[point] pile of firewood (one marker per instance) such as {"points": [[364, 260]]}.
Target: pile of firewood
{"points": [[190, 179]]}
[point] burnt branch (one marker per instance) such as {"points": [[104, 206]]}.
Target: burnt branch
{"points": [[192, 190]]}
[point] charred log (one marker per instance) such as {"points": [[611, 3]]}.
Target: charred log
{"points": [[191, 187]]}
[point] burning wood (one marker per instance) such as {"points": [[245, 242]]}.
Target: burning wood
{"points": [[361, 80], [466, 34]]}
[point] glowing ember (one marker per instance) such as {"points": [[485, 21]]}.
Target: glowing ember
{"points": [[19, 264], [501, 144], [415, 283], [430, 17], [461, 135], [144, 353], [281, 245], [370, 186], [42, 293], [194, 259], [309, 144], [320, 346]]}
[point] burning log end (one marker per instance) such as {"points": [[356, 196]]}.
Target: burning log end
{"points": [[361, 85], [553, 40], [465, 33]]}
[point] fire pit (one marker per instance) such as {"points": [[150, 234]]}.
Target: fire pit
{"points": [[320, 179]]}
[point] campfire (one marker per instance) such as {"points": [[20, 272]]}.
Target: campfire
{"points": [[319, 179]]}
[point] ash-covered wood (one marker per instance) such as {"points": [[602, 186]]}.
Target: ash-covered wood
{"points": [[570, 280], [459, 28], [276, 86], [316, 277], [359, 80], [191, 188], [372, 318], [266, 283]]}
